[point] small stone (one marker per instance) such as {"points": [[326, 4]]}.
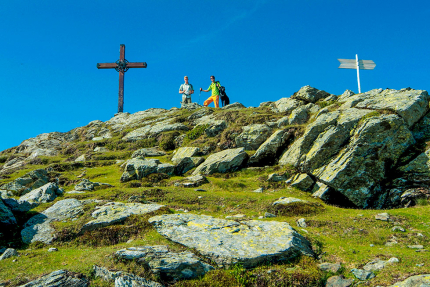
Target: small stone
{"points": [[329, 267], [420, 265], [259, 190], [382, 216], [274, 177], [398, 228], [269, 215], [199, 197], [130, 241], [301, 223], [362, 274], [52, 249], [372, 245], [338, 281], [260, 217], [416, 246], [239, 216]]}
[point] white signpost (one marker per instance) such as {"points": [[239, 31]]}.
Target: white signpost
{"points": [[357, 64]]}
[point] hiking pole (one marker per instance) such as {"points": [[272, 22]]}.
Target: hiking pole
{"points": [[199, 97]]}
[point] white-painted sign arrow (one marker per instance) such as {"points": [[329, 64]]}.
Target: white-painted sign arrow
{"points": [[358, 65]]}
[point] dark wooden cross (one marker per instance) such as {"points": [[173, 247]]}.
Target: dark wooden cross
{"points": [[121, 66]]}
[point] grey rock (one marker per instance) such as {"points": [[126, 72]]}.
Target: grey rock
{"points": [[303, 182], [190, 106], [234, 106], [382, 216], [301, 222], [272, 148], [329, 267], [224, 161], [421, 130], [200, 113], [321, 191], [344, 97], [81, 158], [309, 94], [100, 149], [130, 280], [227, 242], [414, 281], [338, 281], [174, 266], [148, 152], [418, 246], [106, 274], [59, 278], [33, 179], [265, 104], [137, 168], [53, 249], [269, 215], [275, 177], [184, 152], [286, 105], [10, 252], [166, 168], [187, 163], [378, 264], [298, 116], [215, 128], [253, 136], [361, 274], [288, 200], [6, 216], [398, 228], [195, 181], [259, 190], [85, 184], [116, 212], [38, 227]]}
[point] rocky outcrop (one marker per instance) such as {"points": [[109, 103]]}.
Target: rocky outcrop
{"points": [[86, 185], [215, 128], [117, 212], [10, 252], [59, 278], [148, 152], [46, 193], [286, 105], [228, 242], [167, 264], [184, 152], [309, 94], [414, 281], [28, 182], [271, 149], [149, 131], [137, 168], [253, 136], [38, 227], [186, 164], [7, 218], [224, 161]]}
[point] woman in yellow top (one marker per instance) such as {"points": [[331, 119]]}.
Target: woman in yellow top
{"points": [[215, 93]]}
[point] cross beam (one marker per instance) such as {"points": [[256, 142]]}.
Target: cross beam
{"points": [[121, 66]]}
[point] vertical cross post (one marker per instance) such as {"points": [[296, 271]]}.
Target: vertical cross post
{"points": [[358, 73], [121, 80]]}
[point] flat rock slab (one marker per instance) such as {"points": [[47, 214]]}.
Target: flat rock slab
{"points": [[116, 212], [175, 266], [144, 152], [38, 227], [338, 281], [223, 161], [59, 278], [85, 184], [228, 242], [10, 252], [184, 152], [123, 279], [414, 281]]}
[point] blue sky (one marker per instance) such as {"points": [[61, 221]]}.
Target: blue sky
{"points": [[259, 50]]}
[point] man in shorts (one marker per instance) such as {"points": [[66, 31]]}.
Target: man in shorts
{"points": [[214, 87], [186, 89]]}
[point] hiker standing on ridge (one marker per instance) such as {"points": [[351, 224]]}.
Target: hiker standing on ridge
{"points": [[214, 87], [186, 89]]}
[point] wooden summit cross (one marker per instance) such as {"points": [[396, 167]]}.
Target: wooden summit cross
{"points": [[121, 66]]}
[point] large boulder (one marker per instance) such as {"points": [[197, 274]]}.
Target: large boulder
{"points": [[253, 136], [223, 161], [59, 278], [28, 182], [117, 212], [137, 168], [6, 216], [46, 193], [167, 264], [358, 170], [414, 281], [286, 105], [187, 163], [298, 116], [228, 242], [272, 148], [215, 128], [184, 152], [10, 252], [38, 227], [309, 94]]}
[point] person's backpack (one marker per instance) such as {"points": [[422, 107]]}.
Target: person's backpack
{"points": [[224, 98]]}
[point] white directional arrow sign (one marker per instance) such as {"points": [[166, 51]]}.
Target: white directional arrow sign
{"points": [[357, 64]]}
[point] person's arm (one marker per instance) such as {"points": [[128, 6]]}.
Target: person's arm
{"points": [[192, 89], [181, 91]]}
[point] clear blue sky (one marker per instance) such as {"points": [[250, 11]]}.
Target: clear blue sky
{"points": [[259, 50]]}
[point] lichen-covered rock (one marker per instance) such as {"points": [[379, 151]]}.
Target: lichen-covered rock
{"points": [[253, 136], [137, 168], [85, 184], [184, 152], [357, 171], [275, 177], [116, 212], [272, 148], [234, 106], [187, 163], [46, 193], [414, 281], [215, 128], [288, 200], [123, 279], [24, 184], [7, 218], [303, 182], [166, 168], [329, 267], [38, 227], [362, 274], [309, 94], [195, 181], [286, 105], [298, 116], [338, 281], [228, 242], [167, 264], [59, 278], [148, 152], [223, 161], [149, 131], [10, 252]]}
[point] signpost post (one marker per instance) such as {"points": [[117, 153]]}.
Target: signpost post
{"points": [[357, 64]]}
